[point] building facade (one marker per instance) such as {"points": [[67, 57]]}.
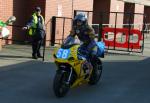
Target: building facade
{"points": [[23, 9]]}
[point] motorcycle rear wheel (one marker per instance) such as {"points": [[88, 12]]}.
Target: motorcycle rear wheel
{"points": [[96, 73]]}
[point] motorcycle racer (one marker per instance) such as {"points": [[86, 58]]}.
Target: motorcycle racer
{"points": [[86, 35]]}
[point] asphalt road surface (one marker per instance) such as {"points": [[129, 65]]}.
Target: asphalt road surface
{"points": [[31, 82]]}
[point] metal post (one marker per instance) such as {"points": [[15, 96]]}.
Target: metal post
{"points": [[130, 17], [44, 46], [63, 29], [75, 13], [100, 26], [116, 14], [144, 22], [53, 32]]}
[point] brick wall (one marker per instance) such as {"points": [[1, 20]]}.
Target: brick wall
{"points": [[116, 6], [6, 7], [23, 10], [50, 9], [138, 19], [64, 8]]}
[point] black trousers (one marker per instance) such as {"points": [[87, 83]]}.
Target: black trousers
{"points": [[36, 45]]}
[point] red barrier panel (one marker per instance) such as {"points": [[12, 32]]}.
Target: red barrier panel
{"points": [[136, 45], [127, 43]]}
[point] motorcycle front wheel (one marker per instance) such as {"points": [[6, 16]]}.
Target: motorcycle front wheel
{"points": [[60, 86]]}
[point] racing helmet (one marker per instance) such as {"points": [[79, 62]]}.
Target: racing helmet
{"points": [[80, 18]]}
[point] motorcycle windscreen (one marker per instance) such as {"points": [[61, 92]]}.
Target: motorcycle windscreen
{"points": [[101, 49]]}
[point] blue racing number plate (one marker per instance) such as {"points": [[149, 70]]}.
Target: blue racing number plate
{"points": [[63, 53]]}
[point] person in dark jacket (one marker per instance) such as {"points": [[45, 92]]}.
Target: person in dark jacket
{"points": [[37, 31]]}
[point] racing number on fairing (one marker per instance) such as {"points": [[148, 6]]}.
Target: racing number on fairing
{"points": [[59, 53], [63, 53]]}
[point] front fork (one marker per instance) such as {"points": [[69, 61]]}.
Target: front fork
{"points": [[70, 74], [69, 78]]}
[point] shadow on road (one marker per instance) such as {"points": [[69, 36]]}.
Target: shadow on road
{"points": [[13, 56], [121, 82]]}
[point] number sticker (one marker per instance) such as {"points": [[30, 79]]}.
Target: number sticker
{"points": [[63, 53]]}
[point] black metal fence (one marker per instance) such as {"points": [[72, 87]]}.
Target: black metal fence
{"points": [[113, 20], [60, 27]]}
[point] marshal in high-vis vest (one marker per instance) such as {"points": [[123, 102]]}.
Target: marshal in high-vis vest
{"points": [[36, 30]]}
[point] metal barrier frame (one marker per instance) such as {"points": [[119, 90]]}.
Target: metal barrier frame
{"points": [[101, 15], [20, 26], [53, 29]]}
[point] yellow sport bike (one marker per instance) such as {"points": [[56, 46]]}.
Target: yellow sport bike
{"points": [[73, 68]]}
